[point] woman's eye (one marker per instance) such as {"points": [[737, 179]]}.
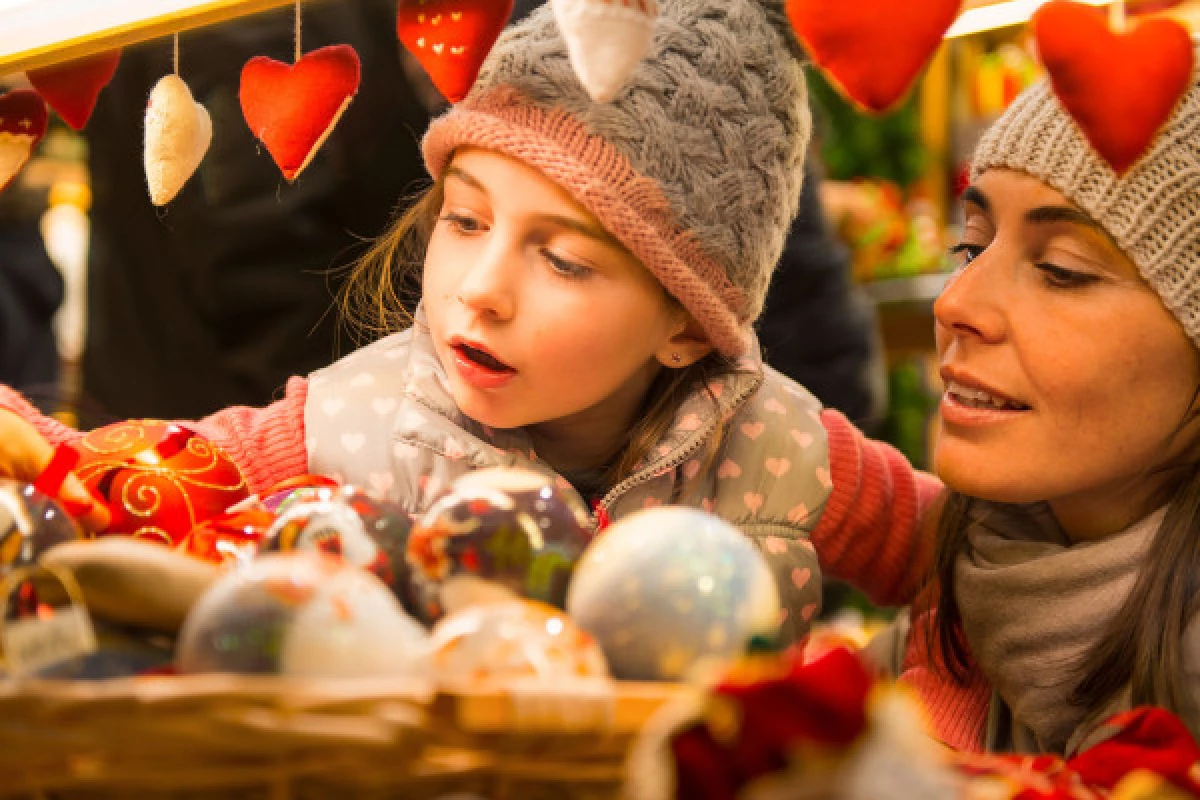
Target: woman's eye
{"points": [[1062, 278], [462, 223], [965, 253], [564, 267]]}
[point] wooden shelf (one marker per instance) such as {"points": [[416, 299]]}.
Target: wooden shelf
{"points": [[919, 290], [38, 33]]}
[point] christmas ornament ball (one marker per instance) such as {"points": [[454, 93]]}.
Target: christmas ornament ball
{"points": [[230, 538], [517, 640], [158, 479], [499, 531], [302, 614], [347, 522], [665, 587], [297, 489], [30, 523]]}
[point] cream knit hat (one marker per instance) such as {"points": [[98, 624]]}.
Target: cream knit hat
{"points": [[1152, 211], [695, 165]]}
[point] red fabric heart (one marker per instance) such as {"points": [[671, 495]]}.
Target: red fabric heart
{"points": [[1119, 87], [872, 50], [23, 120], [451, 38], [72, 88], [292, 109]]}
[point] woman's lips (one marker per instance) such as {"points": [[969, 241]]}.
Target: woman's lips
{"points": [[955, 412], [479, 375]]}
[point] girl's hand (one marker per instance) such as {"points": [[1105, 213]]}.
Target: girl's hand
{"points": [[24, 454]]}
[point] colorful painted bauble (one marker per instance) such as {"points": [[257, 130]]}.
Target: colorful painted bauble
{"points": [[303, 614], [30, 523], [230, 538], [507, 642], [497, 531], [365, 531], [294, 490], [159, 480], [665, 587]]}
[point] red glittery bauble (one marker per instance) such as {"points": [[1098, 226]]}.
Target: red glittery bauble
{"points": [[231, 538], [158, 479]]}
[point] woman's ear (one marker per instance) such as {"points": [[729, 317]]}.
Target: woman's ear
{"points": [[686, 347]]}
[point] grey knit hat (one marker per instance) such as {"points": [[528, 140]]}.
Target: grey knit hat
{"points": [[1151, 211], [695, 165]]}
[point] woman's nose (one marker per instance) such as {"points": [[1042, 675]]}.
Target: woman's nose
{"points": [[971, 304]]}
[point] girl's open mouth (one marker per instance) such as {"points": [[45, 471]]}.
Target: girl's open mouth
{"points": [[478, 367], [481, 357]]}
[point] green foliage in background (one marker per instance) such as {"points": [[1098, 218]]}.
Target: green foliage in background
{"points": [[858, 145]]}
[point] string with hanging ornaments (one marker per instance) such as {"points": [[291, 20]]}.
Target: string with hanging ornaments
{"points": [[1120, 77], [292, 108], [178, 134]]}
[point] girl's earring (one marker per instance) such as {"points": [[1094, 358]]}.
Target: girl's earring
{"points": [[676, 358]]}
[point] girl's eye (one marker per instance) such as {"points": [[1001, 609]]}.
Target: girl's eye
{"points": [[568, 269], [966, 253], [1062, 278], [462, 223]]}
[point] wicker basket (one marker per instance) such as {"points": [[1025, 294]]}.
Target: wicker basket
{"points": [[254, 736], [240, 736]]}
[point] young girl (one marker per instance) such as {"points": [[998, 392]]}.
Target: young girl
{"points": [[590, 274], [1067, 570]]}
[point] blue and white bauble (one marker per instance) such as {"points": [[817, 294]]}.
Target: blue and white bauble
{"points": [[666, 587]]}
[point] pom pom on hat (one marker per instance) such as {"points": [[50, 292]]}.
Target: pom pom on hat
{"points": [[606, 39]]}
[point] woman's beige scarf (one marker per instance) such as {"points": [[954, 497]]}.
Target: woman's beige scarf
{"points": [[1032, 603]]}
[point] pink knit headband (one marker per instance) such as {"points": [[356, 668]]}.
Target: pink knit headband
{"points": [[628, 205]]}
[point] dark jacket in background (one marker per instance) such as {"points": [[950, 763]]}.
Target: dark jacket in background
{"points": [[817, 327], [217, 298], [31, 290]]}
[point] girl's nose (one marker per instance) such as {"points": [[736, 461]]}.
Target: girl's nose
{"points": [[971, 304], [487, 285]]}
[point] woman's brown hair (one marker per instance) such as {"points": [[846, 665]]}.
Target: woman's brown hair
{"points": [[1142, 645], [385, 283]]}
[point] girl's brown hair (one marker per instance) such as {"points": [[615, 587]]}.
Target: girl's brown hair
{"points": [[385, 283], [1142, 645]]}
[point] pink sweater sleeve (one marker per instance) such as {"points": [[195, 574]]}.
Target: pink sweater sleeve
{"points": [[870, 533], [267, 444]]}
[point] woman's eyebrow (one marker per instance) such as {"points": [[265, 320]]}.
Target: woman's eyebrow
{"points": [[974, 196], [1050, 214]]}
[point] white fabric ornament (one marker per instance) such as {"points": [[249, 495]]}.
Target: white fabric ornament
{"points": [[606, 40], [178, 132]]}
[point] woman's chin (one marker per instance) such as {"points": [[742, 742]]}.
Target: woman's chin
{"points": [[986, 482]]}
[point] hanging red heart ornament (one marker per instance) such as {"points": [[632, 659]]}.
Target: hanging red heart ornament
{"points": [[292, 108], [23, 120], [451, 38], [1119, 87], [872, 50], [72, 88]]}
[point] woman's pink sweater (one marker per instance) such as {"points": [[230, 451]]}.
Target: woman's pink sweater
{"points": [[868, 534]]}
